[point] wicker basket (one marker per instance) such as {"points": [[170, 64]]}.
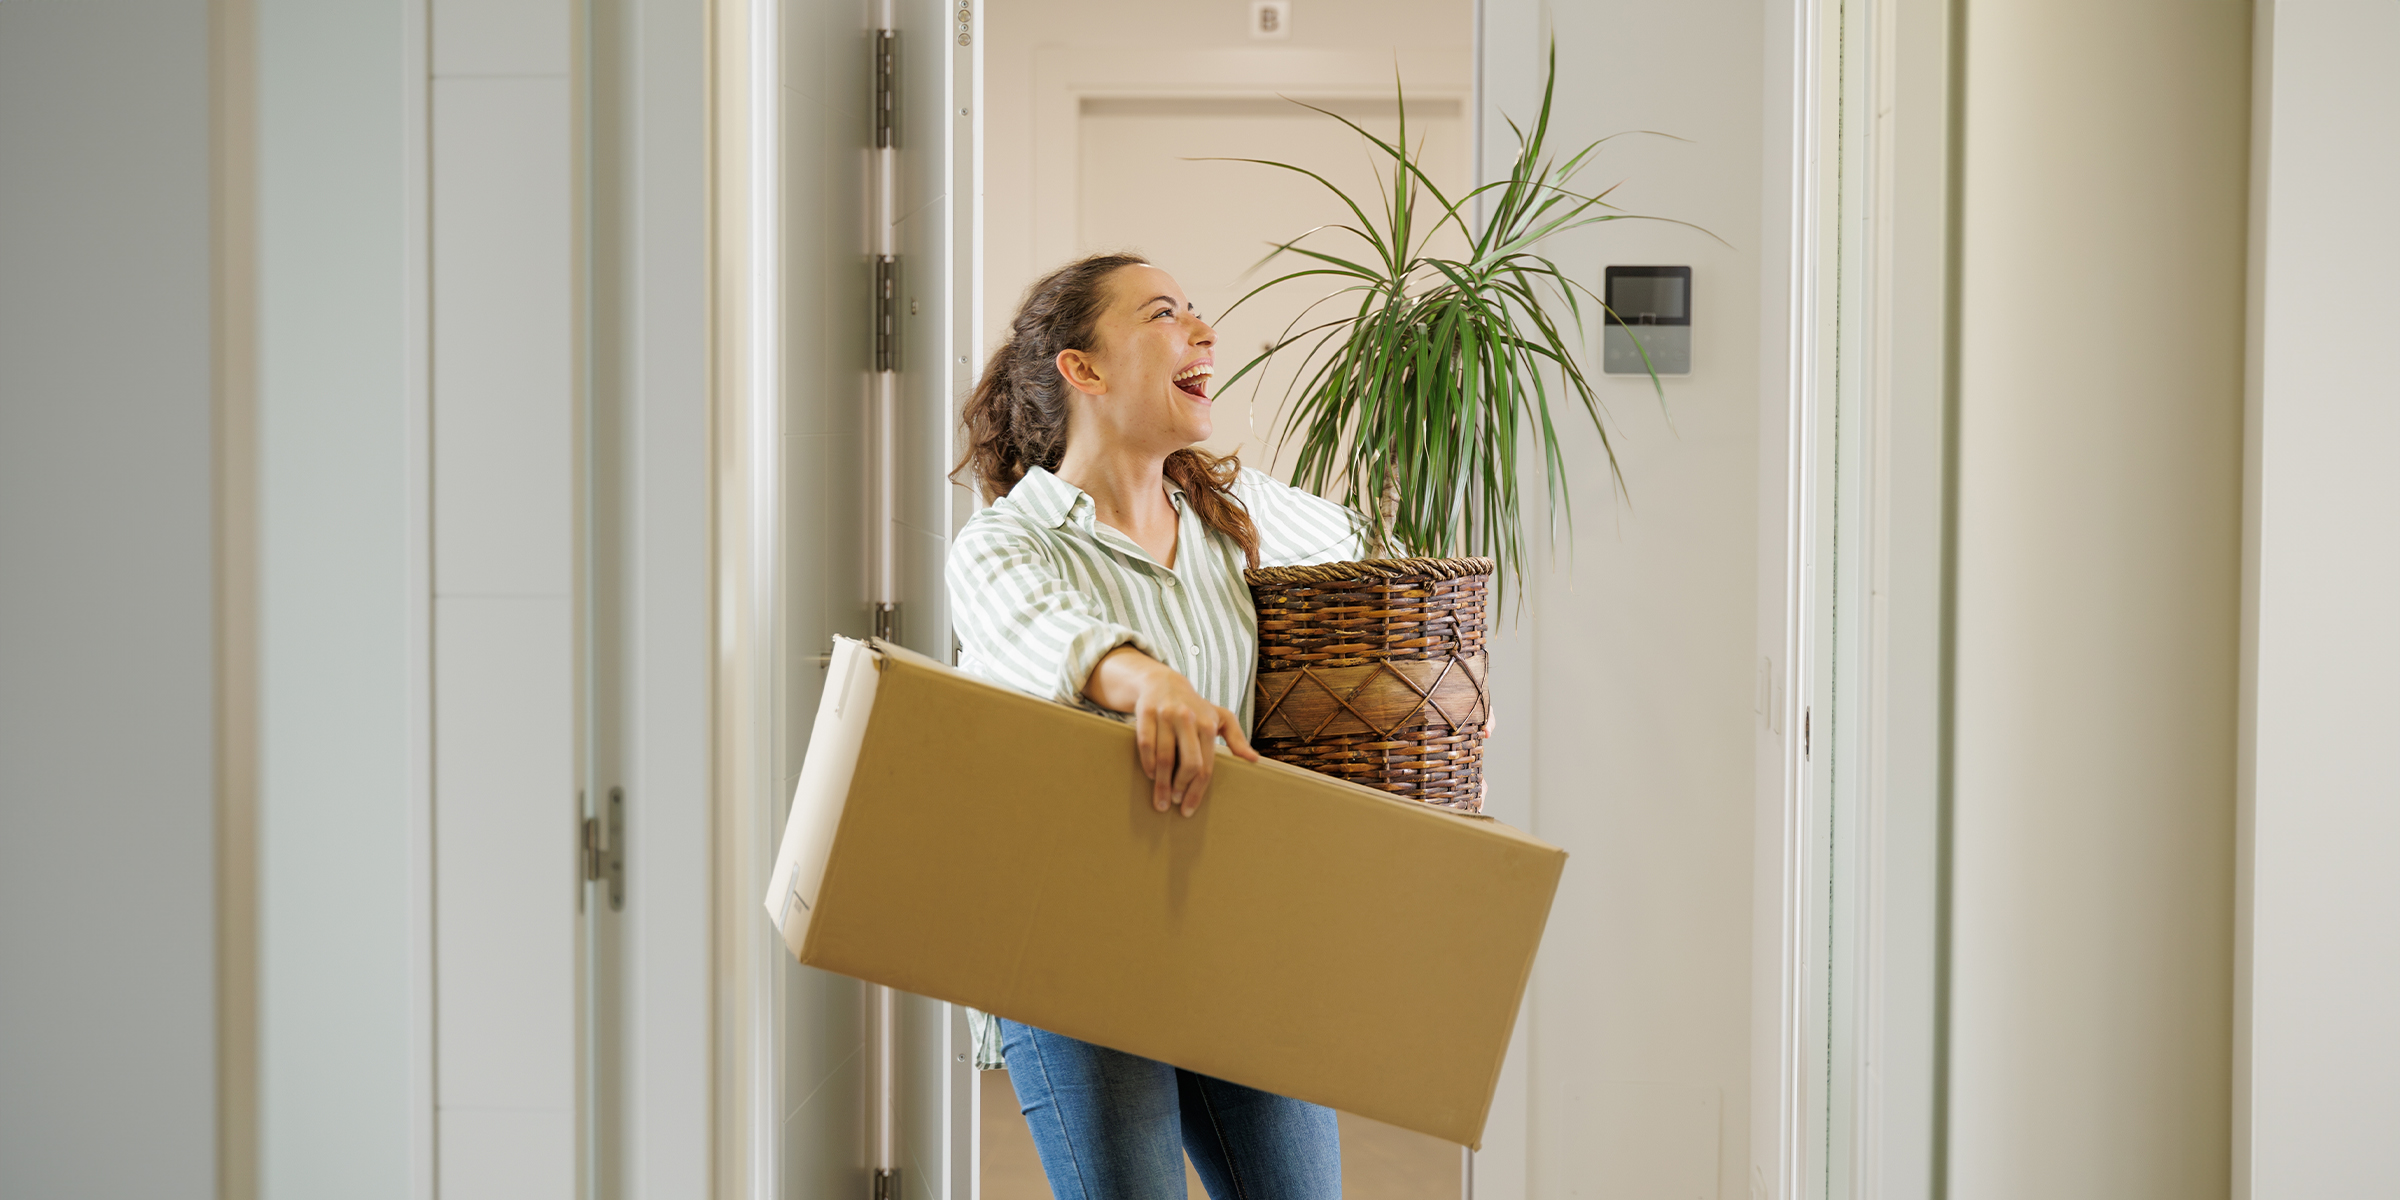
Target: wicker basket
{"points": [[1374, 672]]}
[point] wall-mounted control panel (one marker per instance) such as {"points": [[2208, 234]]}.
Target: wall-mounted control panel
{"points": [[1648, 325]]}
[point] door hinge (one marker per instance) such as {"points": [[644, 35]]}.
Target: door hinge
{"points": [[1804, 738], [887, 622], [887, 1183], [604, 849], [887, 312], [887, 64]]}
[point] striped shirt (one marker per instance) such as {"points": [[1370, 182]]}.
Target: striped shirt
{"points": [[1041, 591]]}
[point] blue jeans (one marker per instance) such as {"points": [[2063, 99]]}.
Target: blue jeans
{"points": [[1113, 1126]]}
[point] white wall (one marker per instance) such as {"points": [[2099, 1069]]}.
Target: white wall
{"points": [[2097, 552], [1431, 37], [1632, 722], [107, 608], [2323, 976]]}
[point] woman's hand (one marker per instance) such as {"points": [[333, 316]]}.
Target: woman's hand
{"points": [[1175, 730]]}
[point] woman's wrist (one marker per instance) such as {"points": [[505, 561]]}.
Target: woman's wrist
{"points": [[1121, 676]]}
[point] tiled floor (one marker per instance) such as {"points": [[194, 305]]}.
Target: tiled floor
{"points": [[1379, 1162]]}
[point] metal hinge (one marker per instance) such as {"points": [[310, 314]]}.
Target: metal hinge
{"points": [[887, 312], [887, 622], [1804, 740], [887, 62], [604, 849], [887, 1183]]}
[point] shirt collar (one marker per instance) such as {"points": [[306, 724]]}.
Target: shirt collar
{"points": [[1050, 500], [1045, 497]]}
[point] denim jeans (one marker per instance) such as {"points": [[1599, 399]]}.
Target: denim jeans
{"points": [[1113, 1126]]}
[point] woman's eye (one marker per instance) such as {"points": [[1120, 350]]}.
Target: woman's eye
{"points": [[1164, 312]]}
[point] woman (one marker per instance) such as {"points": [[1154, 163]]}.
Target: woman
{"points": [[1107, 573]]}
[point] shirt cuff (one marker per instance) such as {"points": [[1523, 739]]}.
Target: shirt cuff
{"points": [[1084, 652], [983, 1031]]}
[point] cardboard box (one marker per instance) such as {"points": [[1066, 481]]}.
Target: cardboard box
{"points": [[1300, 934]]}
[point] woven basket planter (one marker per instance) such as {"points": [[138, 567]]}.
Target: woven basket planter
{"points": [[1374, 672]]}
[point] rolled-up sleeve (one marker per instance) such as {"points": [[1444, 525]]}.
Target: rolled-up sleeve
{"points": [[1022, 621], [1296, 528]]}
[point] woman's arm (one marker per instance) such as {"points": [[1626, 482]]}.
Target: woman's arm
{"points": [[1175, 730], [1031, 628], [1024, 622]]}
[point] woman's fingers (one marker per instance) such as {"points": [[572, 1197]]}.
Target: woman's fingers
{"points": [[1175, 738], [1192, 752], [1143, 741], [1230, 726], [1159, 762]]}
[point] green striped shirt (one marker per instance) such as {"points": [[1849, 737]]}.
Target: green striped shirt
{"points": [[1041, 591]]}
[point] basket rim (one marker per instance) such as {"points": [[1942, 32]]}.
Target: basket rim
{"points": [[1370, 568]]}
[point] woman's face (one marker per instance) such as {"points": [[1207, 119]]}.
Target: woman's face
{"points": [[1148, 371]]}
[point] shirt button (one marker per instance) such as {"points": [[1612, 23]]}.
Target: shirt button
{"points": [[1170, 581]]}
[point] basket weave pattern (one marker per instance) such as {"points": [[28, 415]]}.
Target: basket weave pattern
{"points": [[1374, 672]]}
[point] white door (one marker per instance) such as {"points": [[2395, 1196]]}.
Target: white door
{"points": [[645, 623], [504, 565]]}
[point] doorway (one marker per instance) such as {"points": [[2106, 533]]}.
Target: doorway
{"points": [[1101, 121], [1047, 128]]}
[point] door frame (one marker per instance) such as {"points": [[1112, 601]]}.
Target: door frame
{"points": [[744, 130], [1851, 949], [1854, 804], [750, 636]]}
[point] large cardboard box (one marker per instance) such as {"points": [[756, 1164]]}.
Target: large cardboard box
{"points": [[1300, 934]]}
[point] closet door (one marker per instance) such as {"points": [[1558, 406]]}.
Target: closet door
{"points": [[506, 877]]}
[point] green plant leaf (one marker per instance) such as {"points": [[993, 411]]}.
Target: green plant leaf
{"points": [[1417, 391]]}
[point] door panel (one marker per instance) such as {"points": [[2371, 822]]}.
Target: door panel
{"points": [[933, 207], [504, 686], [829, 392]]}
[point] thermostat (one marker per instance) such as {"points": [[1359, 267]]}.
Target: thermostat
{"points": [[1649, 310]]}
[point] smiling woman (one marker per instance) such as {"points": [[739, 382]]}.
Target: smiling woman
{"points": [[1107, 573], [1156, 374]]}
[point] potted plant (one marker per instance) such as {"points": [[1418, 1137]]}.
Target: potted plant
{"points": [[1419, 379]]}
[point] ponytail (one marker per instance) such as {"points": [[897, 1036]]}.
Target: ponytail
{"points": [[1207, 483], [1016, 418]]}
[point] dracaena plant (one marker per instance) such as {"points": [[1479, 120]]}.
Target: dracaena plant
{"points": [[1421, 375]]}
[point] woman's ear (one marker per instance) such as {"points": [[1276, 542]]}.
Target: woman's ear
{"points": [[1081, 373]]}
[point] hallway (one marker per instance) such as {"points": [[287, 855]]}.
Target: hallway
{"points": [[441, 439]]}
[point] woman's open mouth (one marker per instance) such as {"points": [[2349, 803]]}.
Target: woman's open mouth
{"points": [[1194, 379]]}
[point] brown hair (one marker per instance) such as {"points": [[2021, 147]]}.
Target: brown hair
{"points": [[1017, 417]]}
